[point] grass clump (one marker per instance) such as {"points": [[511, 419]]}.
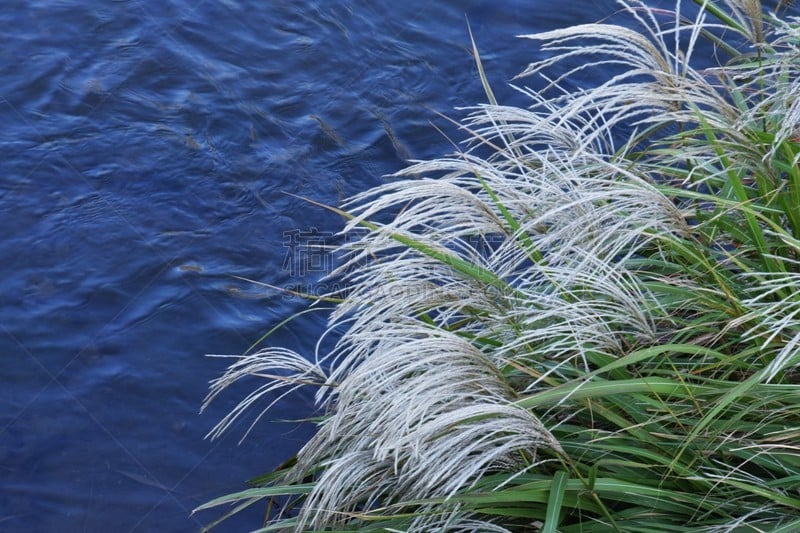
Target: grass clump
{"points": [[586, 320]]}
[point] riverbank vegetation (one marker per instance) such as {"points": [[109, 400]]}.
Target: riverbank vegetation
{"points": [[588, 318]]}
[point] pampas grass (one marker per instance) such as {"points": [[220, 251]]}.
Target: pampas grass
{"points": [[586, 320]]}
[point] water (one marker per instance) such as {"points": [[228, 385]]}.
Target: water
{"points": [[147, 149]]}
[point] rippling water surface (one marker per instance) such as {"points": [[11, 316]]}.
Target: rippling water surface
{"points": [[147, 149]]}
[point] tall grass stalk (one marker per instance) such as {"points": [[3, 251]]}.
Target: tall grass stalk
{"points": [[588, 319]]}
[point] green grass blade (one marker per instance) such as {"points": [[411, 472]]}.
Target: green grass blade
{"points": [[555, 501], [257, 493], [597, 389]]}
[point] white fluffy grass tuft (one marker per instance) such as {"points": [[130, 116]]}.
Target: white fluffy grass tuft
{"points": [[548, 244]]}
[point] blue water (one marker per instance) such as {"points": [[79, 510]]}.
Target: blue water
{"points": [[147, 147]]}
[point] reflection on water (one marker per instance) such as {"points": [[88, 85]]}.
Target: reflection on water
{"points": [[147, 147]]}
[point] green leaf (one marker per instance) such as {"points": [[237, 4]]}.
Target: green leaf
{"points": [[555, 501], [582, 390]]}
